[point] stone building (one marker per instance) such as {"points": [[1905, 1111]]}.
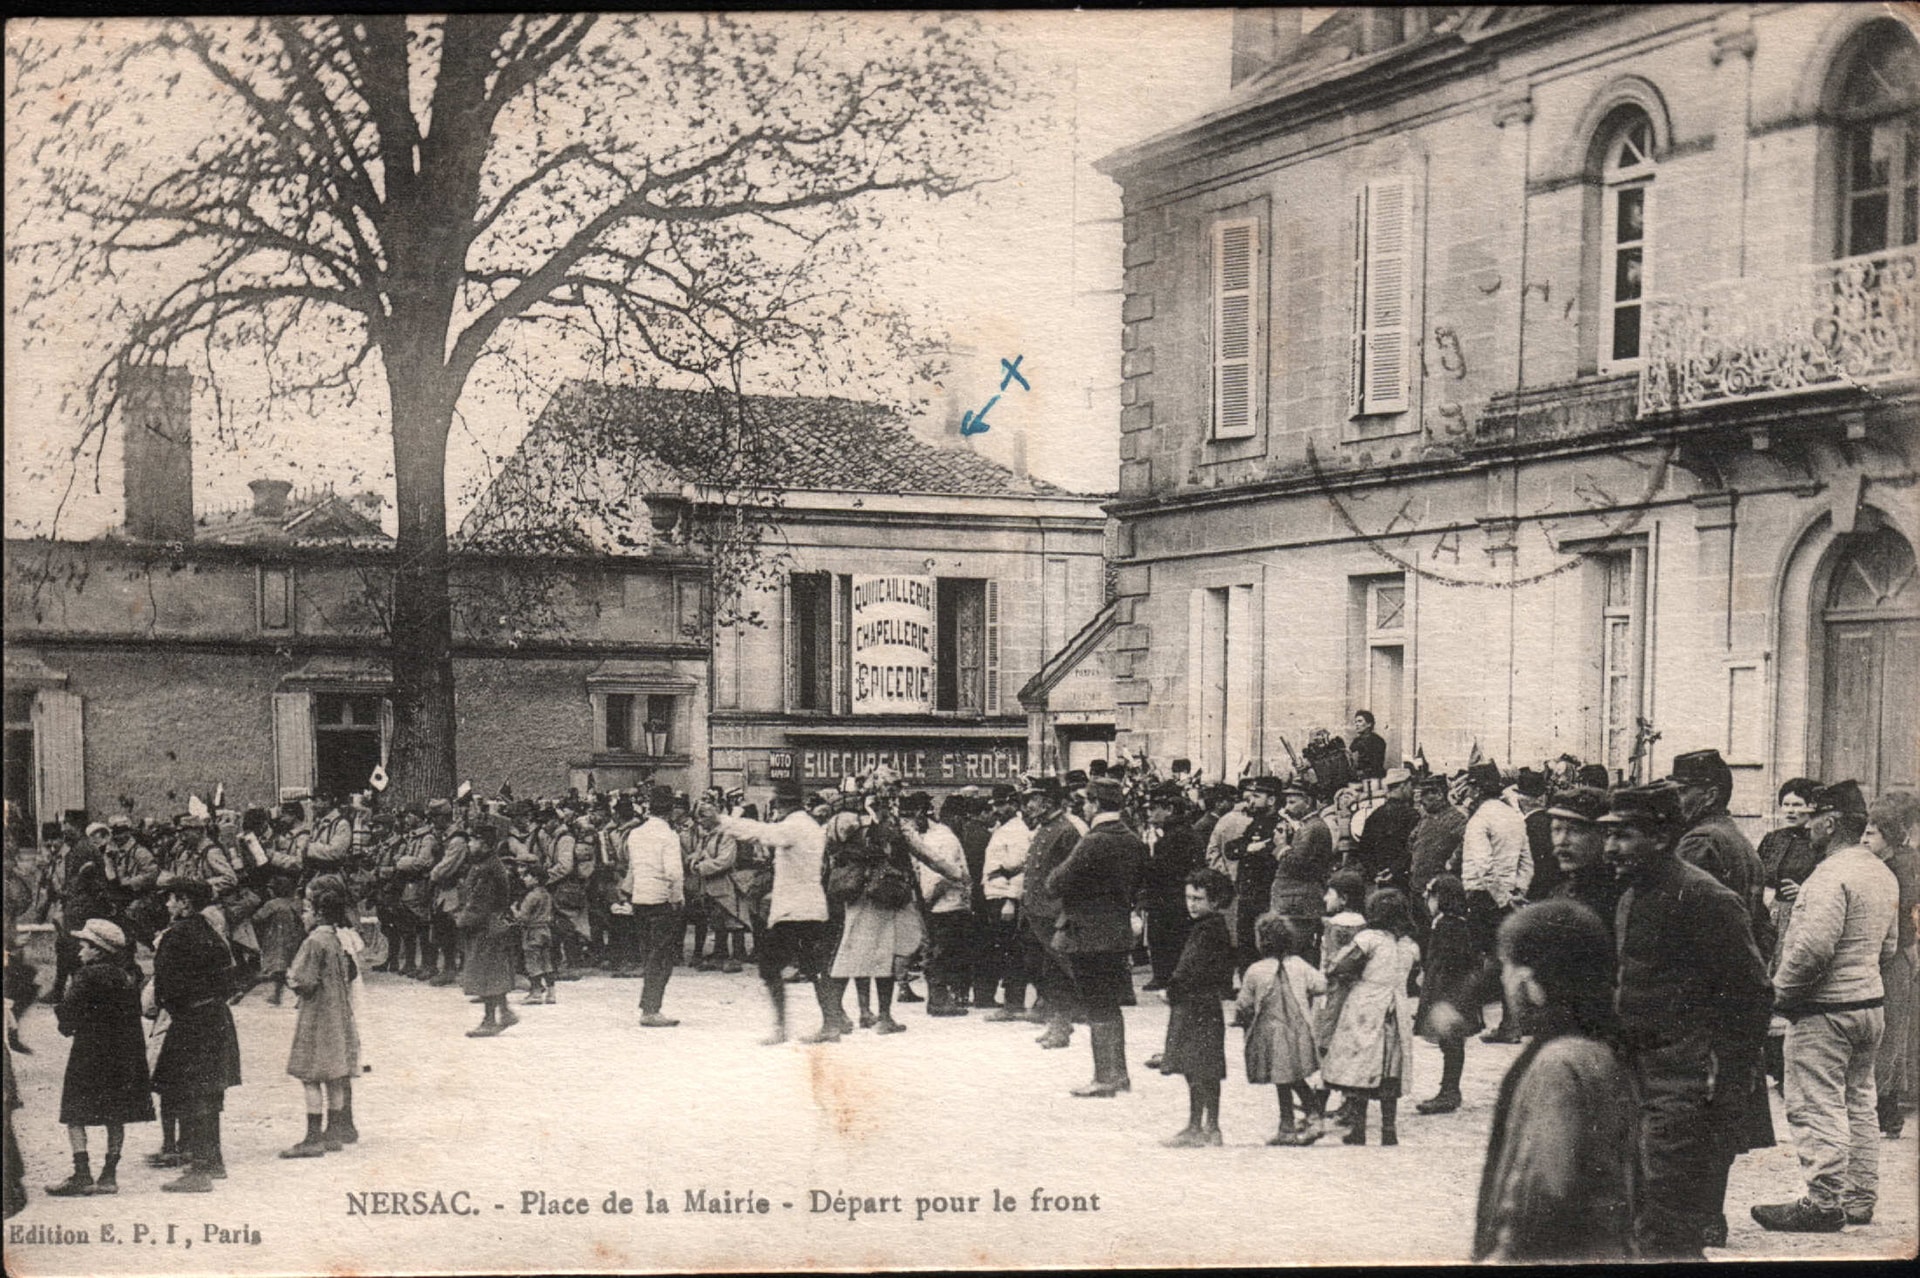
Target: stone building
{"points": [[245, 648], [1538, 377], [914, 586]]}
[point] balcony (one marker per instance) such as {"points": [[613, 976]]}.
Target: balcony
{"points": [[1853, 322]]}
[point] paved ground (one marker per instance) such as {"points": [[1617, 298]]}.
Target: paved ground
{"points": [[577, 1102]]}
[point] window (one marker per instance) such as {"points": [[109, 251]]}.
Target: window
{"points": [[276, 599], [1627, 184], [1382, 279], [645, 723], [811, 641], [1879, 107], [1236, 329], [1621, 589], [1220, 663], [349, 738], [1377, 652], [19, 754], [965, 638]]}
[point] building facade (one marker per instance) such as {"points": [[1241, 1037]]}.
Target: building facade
{"points": [[1542, 379]]}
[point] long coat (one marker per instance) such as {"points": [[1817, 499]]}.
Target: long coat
{"points": [[1450, 973], [1196, 1030], [1373, 1041], [326, 1038], [486, 896], [1176, 853], [1714, 843], [1096, 886], [192, 976], [1300, 872], [106, 1080], [1558, 1181]]}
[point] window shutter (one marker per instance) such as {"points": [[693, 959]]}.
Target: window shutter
{"points": [[1386, 240], [386, 729], [993, 647], [1235, 329], [1197, 677], [1356, 398], [59, 747], [840, 586], [293, 742], [790, 628]]}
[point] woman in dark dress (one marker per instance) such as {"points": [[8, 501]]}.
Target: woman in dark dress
{"points": [[486, 904], [106, 1081], [200, 1058], [1197, 1028]]}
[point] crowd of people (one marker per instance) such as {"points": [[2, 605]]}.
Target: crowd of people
{"points": [[1656, 966]]}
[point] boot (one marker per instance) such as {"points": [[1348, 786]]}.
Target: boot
{"points": [[1800, 1217], [106, 1182], [1117, 1062], [333, 1137], [78, 1185], [1891, 1119], [1389, 1129], [1446, 1101], [192, 1181], [1059, 1034], [312, 1145], [1357, 1126], [1108, 1080], [349, 1134]]}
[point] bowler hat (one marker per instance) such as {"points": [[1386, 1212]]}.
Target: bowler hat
{"points": [[1168, 793], [197, 891], [1002, 792], [106, 935], [790, 793], [1843, 797], [1702, 767], [1651, 808], [660, 798], [917, 802], [1530, 783], [1075, 779], [1595, 775], [1047, 788], [1271, 786], [1106, 790], [1582, 803]]}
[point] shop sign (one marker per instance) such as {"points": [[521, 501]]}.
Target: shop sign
{"points": [[893, 644], [916, 764]]}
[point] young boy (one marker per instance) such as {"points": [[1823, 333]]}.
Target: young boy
{"points": [[1197, 1028], [533, 915]]}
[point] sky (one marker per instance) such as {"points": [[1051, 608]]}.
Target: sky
{"points": [[1029, 271]]}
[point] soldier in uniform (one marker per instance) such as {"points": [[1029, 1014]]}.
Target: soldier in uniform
{"points": [[1714, 843], [1096, 885], [1253, 854], [1302, 866], [448, 871], [420, 852], [1054, 835]]}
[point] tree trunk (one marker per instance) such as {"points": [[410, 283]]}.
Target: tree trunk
{"points": [[422, 758]]}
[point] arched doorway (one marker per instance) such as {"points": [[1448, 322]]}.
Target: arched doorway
{"points": [[1870, 702]]}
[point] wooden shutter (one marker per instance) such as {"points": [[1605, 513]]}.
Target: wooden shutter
{"points": [[993, 647], [293, 742], [840, 587], [1197, 680], [59, 749], [1236, 344], [386, 729], [790, 628], [1384, 238]]}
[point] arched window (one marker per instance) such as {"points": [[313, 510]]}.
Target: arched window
{"points": [[1878, 105], [1626, 178]]}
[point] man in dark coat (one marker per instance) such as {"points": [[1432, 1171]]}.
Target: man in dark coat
{"points": [[1369, 748], [85, 892], [1054, 835], [1173, 852], [1433, 848], [1579, 845], [200, 1058], [1531, 789], [1714, 843], [1096, 885], [1382, 850], [1254, 856], [1694, 1003], [1301, 868]]}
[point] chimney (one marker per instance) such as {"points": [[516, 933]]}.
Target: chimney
{"points": [[270, 497], [155, 409], [1019, 464], [1263, 38]]}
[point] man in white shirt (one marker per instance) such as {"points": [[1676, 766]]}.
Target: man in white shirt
{"points": [[1495, 868], [797, 906], [1004, 876], [659, 893], [946, 888]]}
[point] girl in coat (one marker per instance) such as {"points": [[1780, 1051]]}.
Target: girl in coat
{"points": [[1557, 1184], [106, 1083], [1449, 972], [1371, 1053], [1196, 1029], [200, 1058], [326, 1042], [1277, 997]]}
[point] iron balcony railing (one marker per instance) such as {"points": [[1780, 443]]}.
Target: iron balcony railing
{"points": [[1851, 322]]}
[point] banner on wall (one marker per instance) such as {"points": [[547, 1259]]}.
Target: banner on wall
{"points": [[893, 644]]}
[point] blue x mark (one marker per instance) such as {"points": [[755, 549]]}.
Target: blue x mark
{"points": [[1010, 372], [976, 423]]}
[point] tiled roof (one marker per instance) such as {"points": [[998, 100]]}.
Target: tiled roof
{"points": [[311, 519], [661, 437]]}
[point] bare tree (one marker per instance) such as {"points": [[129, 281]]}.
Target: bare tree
{"points": [[401, 202]]}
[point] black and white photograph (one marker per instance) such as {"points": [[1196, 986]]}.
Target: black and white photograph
{"points": [[791, 641]]}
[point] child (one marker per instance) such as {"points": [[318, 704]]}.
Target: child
{"points": [[277, 925], [1449, 1011], [1557, 1183], [1370, 1055], [533, 914], [106, 1082], [1196, 1029], [1276, 997], [326, 1042]]}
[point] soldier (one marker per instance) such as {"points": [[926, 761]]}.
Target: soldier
{"points": [[449, 869], [1054, 835], [1252, 857], [1714, 843], [1096, 884], [1302, 866], [419, 854], [131, 873]]}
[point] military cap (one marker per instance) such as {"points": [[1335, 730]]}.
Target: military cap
{"points": [[1582, 803], [1843, 797], [1002, 792], [1702, 767], [1168, 793], [1106, 790], [1269, 785], [1295, 785], [1653, 807], [1075, 779], [1047, 788]]}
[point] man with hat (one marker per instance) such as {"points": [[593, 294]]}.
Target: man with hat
{"points": [[1076, 784], [1300, 867], [1694, 1003], [1828, 984], [1579, 845], [1003, 878], [1496, 864], [796, 931], [1528, 795], [658, 873], [131, 873], [1173, 852], [1054, 835], [1250, 858], [1382, 848], [1230, 819], [1714, 843], [1096, 884]]}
